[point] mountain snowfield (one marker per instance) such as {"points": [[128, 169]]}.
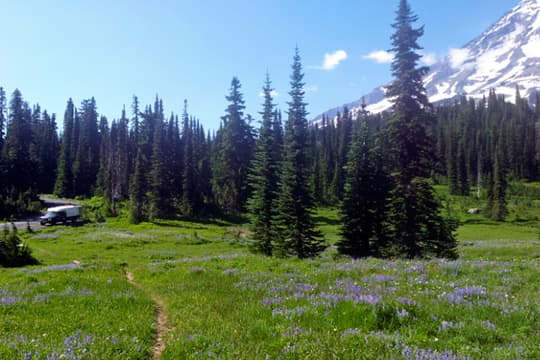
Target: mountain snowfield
{"points": [[504, 57]]}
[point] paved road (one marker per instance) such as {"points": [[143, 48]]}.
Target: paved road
{"points": [[22, 224], [33, 221]]}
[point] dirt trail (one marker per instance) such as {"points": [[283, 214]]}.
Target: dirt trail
{"points": [[161, 318]]}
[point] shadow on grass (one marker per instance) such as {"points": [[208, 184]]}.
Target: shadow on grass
{"points": [[224, 221]]}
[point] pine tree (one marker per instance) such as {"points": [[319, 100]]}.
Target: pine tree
{"points": [[264, 177], [499, 209], [452, 163], [3, 118], [364, 202], [138, 183], [234, 153], [86, 160], [64, 177], [203, 172], [418, 229], [537, 131], [158, 187], [19, 190], [189, 194], [297, 234], [105, 157], [463, 178], [137, 209], [344, 130]]}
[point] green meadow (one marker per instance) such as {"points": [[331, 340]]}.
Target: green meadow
{"points": [[219, 301]]}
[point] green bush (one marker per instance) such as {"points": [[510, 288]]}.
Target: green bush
{"points": [[95, 209], [13, 251]]}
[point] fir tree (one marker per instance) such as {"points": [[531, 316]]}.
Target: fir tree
{"points": [[463, 178], [364, 203], [17, 168], [297, 234], [158, 188], [264, 177], [234, 153], [105, 157], [452, 163], [64, 178], [499, 209], [418, 229], [537, 131], [138, 183], [136, 192], [86, 160], [174, 160], [344, 130], [189, 193], [3, 118]]}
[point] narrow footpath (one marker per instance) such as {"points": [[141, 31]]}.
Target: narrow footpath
{"points": [[161, 318]]}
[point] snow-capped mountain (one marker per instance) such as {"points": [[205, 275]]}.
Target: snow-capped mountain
{"points": [[503, 57]]}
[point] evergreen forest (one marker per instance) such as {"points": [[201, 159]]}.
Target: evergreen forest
{"points": [[277, 166]]}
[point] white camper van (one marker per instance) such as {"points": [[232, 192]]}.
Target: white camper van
{"points": [[61, 214]]}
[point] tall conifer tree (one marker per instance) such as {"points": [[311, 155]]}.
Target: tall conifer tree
{"points": [[364, 201], [297, 234], [264, 176], [499, 209], [234, 153], [64, 177], [2, 117], [86, 160], [137, 185], [158, 187], [189, 193], [418, 229]]}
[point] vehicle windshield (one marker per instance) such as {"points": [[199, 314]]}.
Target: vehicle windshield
{"points": [[50, 214]]}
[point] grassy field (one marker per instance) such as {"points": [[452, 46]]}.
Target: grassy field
{"points": [[222, 302]]}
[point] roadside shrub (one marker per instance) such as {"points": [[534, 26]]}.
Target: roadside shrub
{"points": [[13, 251], [95, 209]]}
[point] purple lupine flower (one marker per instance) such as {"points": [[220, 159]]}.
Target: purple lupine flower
{"points": [[53, 356], [230, 271], [406, 301], [445, 325], [383, 278], [471, 291], [488, 324], [294, 331], [368, 299], [70, 266], [9, 300], [272, 301], [402, 313], [350, 332]]}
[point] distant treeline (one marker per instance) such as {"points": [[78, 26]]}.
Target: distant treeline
{"points": [[176, 168], [172, 167]]}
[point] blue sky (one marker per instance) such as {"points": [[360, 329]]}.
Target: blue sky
{"points": [[188, 49]]}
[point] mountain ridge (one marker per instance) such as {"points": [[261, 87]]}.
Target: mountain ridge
{"points": [[504, 57]]}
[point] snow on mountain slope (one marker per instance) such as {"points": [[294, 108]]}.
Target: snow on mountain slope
{"points": [[504, 57]]}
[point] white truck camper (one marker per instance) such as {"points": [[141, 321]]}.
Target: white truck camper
{"points": [[61, 214]]}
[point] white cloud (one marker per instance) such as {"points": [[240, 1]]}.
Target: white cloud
{"points": [[273, 93], [457, 57], [380, 56], [311, 88], [332, 60], [429, 58]]}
